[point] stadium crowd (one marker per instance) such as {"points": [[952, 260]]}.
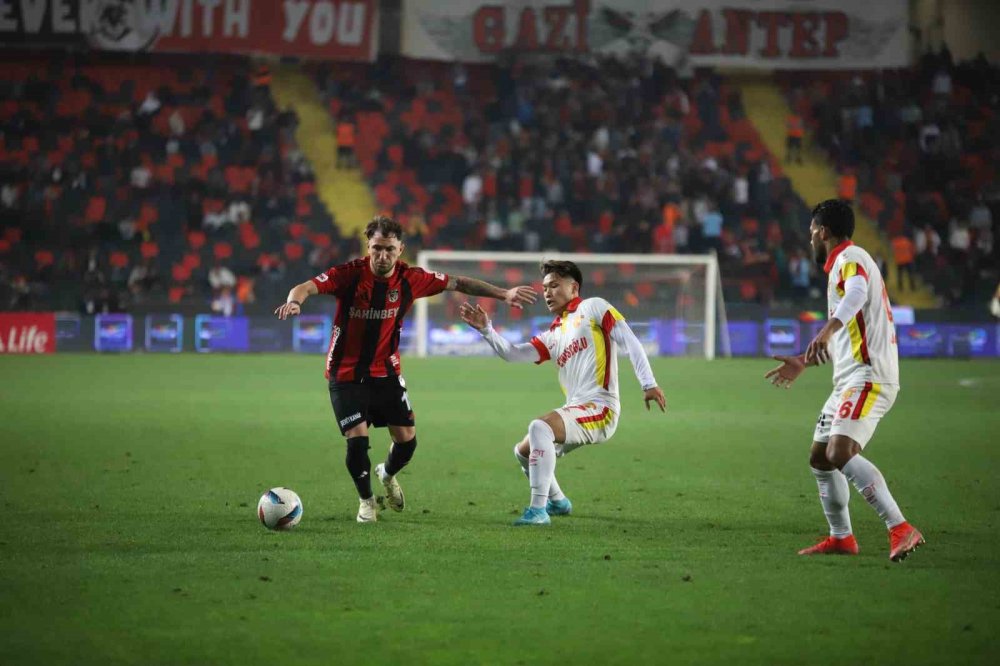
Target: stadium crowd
{"points": [[917, 149], [597, 156], [148, 182], [151, 182]]}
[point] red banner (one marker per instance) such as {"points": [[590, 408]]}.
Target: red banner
{"points": [[323, 29], [27, 333]]}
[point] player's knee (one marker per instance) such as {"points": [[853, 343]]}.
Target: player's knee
{"points": [[540, 430], [522, 449], [818, 460], [840, 450], [403, 433]]}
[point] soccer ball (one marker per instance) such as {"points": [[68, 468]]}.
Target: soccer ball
{"points": [[279, 509]]}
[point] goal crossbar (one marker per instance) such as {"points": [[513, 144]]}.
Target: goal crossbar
{"points": [[715, 306]]}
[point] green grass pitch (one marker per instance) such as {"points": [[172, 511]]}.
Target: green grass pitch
{"points": [[129, 536]]}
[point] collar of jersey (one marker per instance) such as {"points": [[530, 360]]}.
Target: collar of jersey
{"points": [[828, 266], [570, 307]]}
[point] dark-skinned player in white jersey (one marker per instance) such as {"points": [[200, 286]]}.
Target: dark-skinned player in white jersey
{"points": [[860, 339]]}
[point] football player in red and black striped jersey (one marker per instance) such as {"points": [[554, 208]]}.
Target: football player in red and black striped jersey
{"points": [[373, 294]]}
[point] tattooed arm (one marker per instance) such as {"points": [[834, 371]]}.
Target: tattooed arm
{"points": [[516, 297]]}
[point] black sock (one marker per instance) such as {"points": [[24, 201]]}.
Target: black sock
{"points": [[359, 465], [399, 454]]}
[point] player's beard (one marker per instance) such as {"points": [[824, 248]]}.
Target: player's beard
{"points": [[819, 255], [382, 269]]}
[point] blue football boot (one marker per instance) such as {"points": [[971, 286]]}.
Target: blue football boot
{"points": [[533, 516], [561, 507]]}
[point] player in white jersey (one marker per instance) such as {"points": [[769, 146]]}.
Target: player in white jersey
{"points": [[583, 341], [860, 338]]}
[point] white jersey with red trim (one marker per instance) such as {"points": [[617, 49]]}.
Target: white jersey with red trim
{"points": [[579, 342], [864, 350]]}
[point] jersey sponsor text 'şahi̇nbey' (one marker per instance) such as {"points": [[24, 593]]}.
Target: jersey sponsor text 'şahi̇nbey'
{"points": [[370, 311]]}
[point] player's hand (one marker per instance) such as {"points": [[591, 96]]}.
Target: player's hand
{"points": [[817, 352], [286, 310], [786, 373], [655, 394], [518, 297], [474, 316]]}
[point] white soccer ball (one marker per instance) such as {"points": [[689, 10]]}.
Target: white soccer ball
{"points": [[279, 509]]}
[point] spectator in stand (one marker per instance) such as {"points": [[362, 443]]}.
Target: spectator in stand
{"points": [[224, 303], [472, 194], [220, 277], [847, 186], [800, 268], [795, 131], [927, 245], [959, 241], [143, 279], [345, 143], [904, 258], [711, 227]]}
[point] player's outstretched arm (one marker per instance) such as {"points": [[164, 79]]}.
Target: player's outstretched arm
{"points": [[475, 316], [296, 297], [785, 374], [623, 334], [516, 297]]}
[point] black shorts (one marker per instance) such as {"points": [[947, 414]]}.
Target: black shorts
{"points": [[377, 401]]}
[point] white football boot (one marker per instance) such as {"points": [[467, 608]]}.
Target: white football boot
{"points": [[393, 491], [366, 511]]}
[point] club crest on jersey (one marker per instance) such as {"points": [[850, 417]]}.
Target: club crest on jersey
{"points": [[577, 321], [393, 295]]}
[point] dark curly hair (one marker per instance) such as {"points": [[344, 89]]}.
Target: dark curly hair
{"points": [[836, 215]]}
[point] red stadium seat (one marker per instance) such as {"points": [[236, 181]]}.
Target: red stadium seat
{"points": [[196, 239], [180, 273], [297, 230], [118, 259], [293, 251], [96, 208], [44, 258], [222, 251], [149, 250]]}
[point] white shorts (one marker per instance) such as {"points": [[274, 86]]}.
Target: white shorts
{"points": [[589, 423], [854, 411]]}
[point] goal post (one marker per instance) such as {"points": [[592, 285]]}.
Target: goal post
{"points": [[675, 300]]}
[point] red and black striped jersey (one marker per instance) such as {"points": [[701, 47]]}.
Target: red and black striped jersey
{"points": [[370, 311]]}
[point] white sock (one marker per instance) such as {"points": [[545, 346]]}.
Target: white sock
{"points": [[871, 484], [555, 492], [521, 459], [834, 495], [541, 461]]}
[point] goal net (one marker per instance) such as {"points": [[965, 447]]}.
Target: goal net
{"points": [[672, 302]]}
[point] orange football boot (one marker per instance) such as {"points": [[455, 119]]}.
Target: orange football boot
{"points": [[833, 546], [903, 540]]}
